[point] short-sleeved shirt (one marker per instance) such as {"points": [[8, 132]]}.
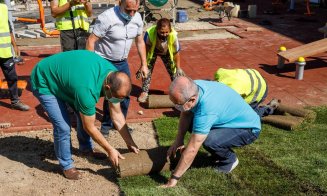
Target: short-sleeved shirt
{"points": [[161, 46], [116, 34], [75, 77], [219, 106]]}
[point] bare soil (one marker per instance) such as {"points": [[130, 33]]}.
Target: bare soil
{"points": [[29, 166]]}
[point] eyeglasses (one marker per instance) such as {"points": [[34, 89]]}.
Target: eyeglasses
{"points": [[180, 107]]}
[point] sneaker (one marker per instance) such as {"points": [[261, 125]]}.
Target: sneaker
{"points": [[105, 131], [18, 60], [274, 103], [143, 97], [20, 106], [227, 168]]}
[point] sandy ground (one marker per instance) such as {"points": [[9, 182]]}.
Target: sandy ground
{"points": [[29, 166]]}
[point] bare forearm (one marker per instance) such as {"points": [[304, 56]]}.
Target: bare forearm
{"points": [[120, 124], [91, 42], [56, 10], [88, 8], [13, 43], [185, 162], [184, 125], [98, 138], [142, 52], [177, 60]]}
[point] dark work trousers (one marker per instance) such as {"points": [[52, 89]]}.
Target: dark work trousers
{"points": [[107, 124], [67, 39], [262, 110], [9, 71]]}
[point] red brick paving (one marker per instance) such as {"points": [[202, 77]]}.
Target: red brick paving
{"points": [[200, 59]]}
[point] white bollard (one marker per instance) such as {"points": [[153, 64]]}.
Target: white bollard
{"points": [[281, 61], [300, 68]]}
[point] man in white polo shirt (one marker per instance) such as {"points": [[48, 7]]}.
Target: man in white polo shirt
{"points": [[112, 37]]}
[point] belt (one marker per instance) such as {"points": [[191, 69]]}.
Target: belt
{"points": [[118, 61]]}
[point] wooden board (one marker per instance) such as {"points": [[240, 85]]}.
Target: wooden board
{"points": [[306, 50]]}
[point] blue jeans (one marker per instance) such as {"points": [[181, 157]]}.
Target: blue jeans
{"points": [[107, 124], [59, 116], [262, 111], [219, 143]]}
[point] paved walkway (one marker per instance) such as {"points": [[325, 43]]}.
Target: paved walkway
{"points": [[200, 59]]}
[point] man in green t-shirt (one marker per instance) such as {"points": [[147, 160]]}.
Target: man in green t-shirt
{"points": [[78, 79]]}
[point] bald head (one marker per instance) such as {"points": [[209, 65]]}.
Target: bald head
{"points": [[182, 89], [129, 7], [120, 84]]}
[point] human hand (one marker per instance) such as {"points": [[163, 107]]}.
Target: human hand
{"points": [[169, 184], [133, 148], [174, 148], [114, 157], [145, 71], [179, 72]]}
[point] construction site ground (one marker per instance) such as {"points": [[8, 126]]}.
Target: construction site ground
{"points": [[27, 160]]}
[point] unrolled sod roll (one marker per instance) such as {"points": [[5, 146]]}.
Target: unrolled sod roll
{"points": [[283, 122], [296, 111], [159, 101], [145, 162]]}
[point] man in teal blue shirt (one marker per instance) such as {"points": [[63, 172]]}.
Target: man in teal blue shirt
{"points": [[219, 119], [78, 78]]}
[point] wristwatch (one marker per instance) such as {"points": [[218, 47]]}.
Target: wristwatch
{"points": [[172, 176]]}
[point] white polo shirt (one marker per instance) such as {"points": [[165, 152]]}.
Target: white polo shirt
{"points": [[116, 34]]}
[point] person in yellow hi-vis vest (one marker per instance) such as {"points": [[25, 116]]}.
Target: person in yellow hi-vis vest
{"points": [[161, 40], [7, 62], [72, 35], [251, 86]]}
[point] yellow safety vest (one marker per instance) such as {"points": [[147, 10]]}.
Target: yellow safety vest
{"points": [[152, 32], [64, 21], [5, 38], [247, 82]]}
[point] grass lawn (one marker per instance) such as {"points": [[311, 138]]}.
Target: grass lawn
{"points": [[278, 163]]}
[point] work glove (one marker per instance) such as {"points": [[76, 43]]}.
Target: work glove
{"points": [[179, 72]]}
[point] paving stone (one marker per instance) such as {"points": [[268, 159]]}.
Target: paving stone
{"points": [[37, 35], [24, 35]]}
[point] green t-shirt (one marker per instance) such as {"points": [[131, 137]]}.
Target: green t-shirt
{"points": [[75, 77]]}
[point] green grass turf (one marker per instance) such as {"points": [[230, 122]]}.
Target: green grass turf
{"points": [[278, 163]]}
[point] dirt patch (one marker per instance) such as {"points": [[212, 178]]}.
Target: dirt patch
{"points": [[29, 166]]}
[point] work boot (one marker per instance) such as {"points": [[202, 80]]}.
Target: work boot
{"points": [[20, 106], [143, 97], [72, 174]]}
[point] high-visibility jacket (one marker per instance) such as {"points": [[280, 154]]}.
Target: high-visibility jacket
{"points": [[5, 38], [64, 21], [247, 82], [152, 33]]}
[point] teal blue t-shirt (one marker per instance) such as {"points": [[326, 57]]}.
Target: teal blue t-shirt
{"points": [[75, 77], [219, 106]]}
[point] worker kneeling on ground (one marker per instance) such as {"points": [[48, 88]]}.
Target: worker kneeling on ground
{"points": [[217, 117], [56, 84], [251, 86]]}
